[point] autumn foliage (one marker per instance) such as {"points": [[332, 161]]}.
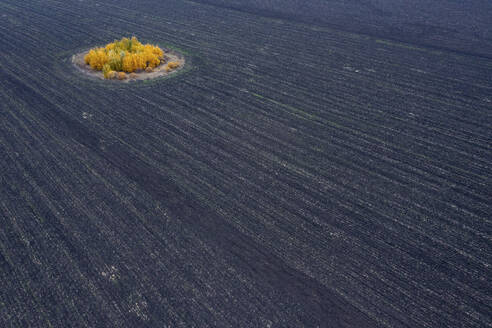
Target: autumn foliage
{"points": [[126, 55], [172, 65]]}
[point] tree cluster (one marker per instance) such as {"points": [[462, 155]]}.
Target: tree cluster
{"points": [[125, 55]]}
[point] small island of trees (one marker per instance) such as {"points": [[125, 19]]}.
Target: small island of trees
{"points": [[127, 55]]}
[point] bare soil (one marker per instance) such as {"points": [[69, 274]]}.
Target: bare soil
{"points": [[169, 56]]}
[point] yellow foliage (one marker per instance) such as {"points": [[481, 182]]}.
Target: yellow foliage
{"points": [[127, 63], [111, 75], [125, 55], [87, 58], [121, 75], [109, 47], [106, 69], [96, 58], [172, 65]]}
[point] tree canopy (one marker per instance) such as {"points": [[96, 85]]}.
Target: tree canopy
{"points": [[125, 55]]}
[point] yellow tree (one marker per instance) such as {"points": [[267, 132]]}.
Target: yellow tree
{"points": [[127, 63], [127, 55], [106, 70]]}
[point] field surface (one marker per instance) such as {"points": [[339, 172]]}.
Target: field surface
{"points": [[305, 169]]}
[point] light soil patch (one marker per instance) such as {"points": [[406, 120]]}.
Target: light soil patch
{"points": [[169, 56]]}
